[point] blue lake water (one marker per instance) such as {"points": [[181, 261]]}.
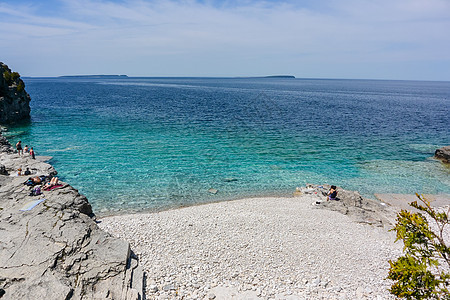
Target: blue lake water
{"points": [[136, 144]]}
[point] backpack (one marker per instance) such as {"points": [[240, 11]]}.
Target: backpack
{"points": [[35, 191]]}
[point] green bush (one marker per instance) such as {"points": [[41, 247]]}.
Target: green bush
{"points": [[10, 77], [20, 86], [14, 76], [423, 272], [7, 77]]}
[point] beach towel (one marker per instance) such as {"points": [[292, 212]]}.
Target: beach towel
{"points": [[53, 187], [30, 205]]}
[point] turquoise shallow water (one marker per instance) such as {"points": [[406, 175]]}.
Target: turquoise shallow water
{"points": [[153, 143]]}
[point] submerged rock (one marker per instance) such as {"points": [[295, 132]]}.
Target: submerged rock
{"points": [[230, 179], [51, 246], [14, 100], [213, 191], [443, 154]]}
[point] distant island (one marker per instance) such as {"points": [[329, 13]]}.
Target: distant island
{"points": [[270, 76], [280, 76], [94, 76], [125, 76]]}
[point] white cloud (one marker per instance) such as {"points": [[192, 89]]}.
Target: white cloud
{"points": [[337, 39]]}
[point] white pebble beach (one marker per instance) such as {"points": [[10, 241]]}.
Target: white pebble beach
{"points": [[258, 248]]}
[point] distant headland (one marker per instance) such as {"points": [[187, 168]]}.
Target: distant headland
{"points": [[94, 76], [280, 76], [270, 76], [125, 76]]}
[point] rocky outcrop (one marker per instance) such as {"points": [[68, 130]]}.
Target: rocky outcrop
{"points": [[352, 204], [55, 250], [14, 100], [443, 154]]}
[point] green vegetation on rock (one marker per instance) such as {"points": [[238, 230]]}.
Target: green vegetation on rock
{"points": [[14, 100], [423, 272]]}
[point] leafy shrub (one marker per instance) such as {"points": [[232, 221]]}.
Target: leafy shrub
{"points": [[14, 76], [7, 76], [20, 86], [423, 272]]}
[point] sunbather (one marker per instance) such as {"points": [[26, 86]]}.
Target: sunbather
{"points": [[54, 181], [35, 180]]}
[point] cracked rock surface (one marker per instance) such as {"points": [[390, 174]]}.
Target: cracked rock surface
{"points": [[56, 250]]}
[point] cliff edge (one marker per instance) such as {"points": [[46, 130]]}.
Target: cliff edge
{"points": [[14, 100], [51, 246]]}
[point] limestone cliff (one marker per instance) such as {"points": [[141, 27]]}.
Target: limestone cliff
{"points": [[14, 100], [55, 250]]}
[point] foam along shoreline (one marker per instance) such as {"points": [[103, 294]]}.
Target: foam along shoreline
{"points": [[259, 248]]}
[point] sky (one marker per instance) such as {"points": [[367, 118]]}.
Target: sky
{"points": [[351, 39]]}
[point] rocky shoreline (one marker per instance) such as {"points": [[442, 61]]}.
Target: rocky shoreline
{"points": [[302, 247], [51, 246]]}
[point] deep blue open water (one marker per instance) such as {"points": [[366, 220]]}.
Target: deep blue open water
{"points": [[153, 143]]}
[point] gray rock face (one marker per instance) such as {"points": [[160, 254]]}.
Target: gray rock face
{"points": [[443, 154], [14, 100], [55, 250], [5, 146], [351, 203]]}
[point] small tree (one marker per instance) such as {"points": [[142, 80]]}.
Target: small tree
{"points": [[423, 272]]}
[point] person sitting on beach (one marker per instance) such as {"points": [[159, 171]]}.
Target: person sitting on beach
{"points": [[32, 153], [19, 172], [19, 147], [332, 193], [27, 172], [26, 149]]}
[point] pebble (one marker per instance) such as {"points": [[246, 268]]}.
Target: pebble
{"points": [[152, 288], [169, 287], [261, 248]]}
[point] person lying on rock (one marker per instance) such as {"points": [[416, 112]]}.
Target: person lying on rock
{"points": [[332, 193], [35, 180], [54, 181]]}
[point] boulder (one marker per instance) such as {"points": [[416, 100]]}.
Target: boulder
{"points": [[352, 204], [443, 154], [14, 100], [3, 170], [5, 146], [52, 248]]}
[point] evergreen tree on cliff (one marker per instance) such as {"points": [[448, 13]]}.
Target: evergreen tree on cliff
{"points": [[14, 100]]}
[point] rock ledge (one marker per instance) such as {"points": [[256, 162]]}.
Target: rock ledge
{"points": [[443, 154], [55, 250]]}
